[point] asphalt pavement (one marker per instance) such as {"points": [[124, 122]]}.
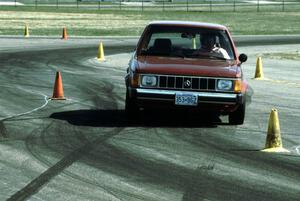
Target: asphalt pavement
{"points": [[84, 148]]}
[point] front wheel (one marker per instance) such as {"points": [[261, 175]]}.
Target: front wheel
{"points": [[237, 117], [131, 107]]}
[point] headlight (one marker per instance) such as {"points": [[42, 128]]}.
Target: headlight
{"points": [[225, 85], [149, 81]]}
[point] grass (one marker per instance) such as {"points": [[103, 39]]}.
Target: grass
{"points": [[83, 22]]}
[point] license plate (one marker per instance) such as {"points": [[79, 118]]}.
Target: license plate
{"points": [[186, 99]]}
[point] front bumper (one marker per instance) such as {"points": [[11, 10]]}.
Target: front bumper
{"points": [[211, 101]]}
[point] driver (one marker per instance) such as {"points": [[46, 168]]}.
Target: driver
{"points": [[209, 47]]}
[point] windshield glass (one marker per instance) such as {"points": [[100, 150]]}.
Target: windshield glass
{"points": [[190, 42]]}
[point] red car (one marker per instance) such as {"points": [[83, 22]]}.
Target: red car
{"points": [[187, 65]]}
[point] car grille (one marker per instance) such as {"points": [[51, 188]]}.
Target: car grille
{"points": [[186, 83]]}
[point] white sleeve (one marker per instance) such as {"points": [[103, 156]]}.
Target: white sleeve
{"points": [[225, 54], [222, 51]]}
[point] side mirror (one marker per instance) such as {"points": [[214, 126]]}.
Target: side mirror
{"points": [[243, 58]]}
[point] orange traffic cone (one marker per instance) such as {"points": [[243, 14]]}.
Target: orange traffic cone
{"points": [[64, 35], [58, 91]]}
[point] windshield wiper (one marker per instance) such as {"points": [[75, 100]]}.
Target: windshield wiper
{"points": [[177, 55], [216, 57], [200, 56]]}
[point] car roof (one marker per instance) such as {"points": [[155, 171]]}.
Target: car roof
{"points": [[189, 24]]}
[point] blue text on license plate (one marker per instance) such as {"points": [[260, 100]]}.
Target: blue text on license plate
{"points": [[186, 99]]}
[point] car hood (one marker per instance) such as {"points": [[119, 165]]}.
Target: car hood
{"points": [[187, 66]]}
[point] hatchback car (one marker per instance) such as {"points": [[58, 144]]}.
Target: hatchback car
{"points": [[187, 65]]}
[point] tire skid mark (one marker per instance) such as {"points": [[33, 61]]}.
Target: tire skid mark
{"points": [[3, 131], [81, 138], [196, 189], [35, 185], [108, 90], [117, 193], [106, 97], [108, 190], [124, 164], [235, 157]]}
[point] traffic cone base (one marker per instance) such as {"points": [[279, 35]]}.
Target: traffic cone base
{"points": [[276, 150], [62, 98], [100, 55], [58, 92], [101, 59]]}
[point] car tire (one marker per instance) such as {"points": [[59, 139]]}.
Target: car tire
{"points": [[131, 108], [237, 117]]}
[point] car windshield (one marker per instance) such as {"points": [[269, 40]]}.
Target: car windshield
{"points": [[191, 42]]}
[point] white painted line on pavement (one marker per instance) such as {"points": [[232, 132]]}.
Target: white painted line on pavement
{"points": [[11, 4], [298, 150], [31, 111]]}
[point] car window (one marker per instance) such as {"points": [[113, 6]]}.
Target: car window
{"points": [[176, 40], [188, 42]]}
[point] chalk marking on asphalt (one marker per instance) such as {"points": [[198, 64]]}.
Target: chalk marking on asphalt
{"points": [[298, 150], [31, 111], [285, 82], [282, 82]]}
